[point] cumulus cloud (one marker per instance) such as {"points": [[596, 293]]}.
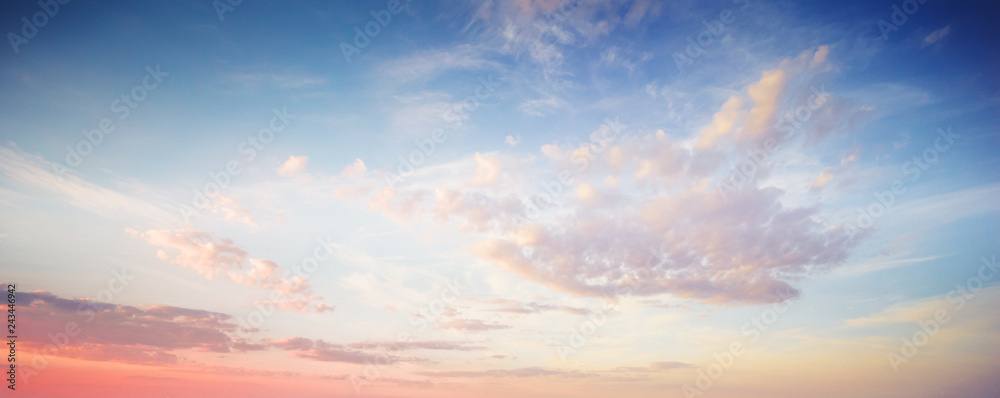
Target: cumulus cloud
{"points": [[630, 212], [723, 122], [746, 119], [356, 169], [293, 165]]}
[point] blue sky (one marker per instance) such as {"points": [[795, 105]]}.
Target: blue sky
{"points": [[519, 93]]}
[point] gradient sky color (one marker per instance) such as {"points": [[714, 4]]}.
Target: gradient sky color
{"points": [[536, 198]]}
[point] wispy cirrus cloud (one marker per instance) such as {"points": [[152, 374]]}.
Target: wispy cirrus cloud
{"points": [[517, 307], [38, 174], [936, 36]]}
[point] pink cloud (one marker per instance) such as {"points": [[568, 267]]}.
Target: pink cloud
{"points": [[293, 165], [356, 169], [210, 258], [630, 212], [472, 325], [106, 332]]}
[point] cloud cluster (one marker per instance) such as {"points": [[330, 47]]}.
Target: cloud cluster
{"points": [[116, 333], [635, 212], [319, 350], [212, 258], [155, 335]]}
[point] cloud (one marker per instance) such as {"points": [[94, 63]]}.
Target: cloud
{"points": [[319, 350], [822, 179], [117, 333], [428, 64], [820, 56], [544, 106], [936, 36], [282, 80], [153, 336], [293, 165], [866, 268], [512, 141], [399, 207], [514, 306], [765, 95], [232, 210], [750, 118], [211, 258], [487, 171], [356, 169], [510, 373], [33, 171], [636, 212], [472, 325], [293, 344], [722, 124], [669, 365], [922, 309], [951, 206], [421, 345]]}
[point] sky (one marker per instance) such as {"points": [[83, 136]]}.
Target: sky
{"points": [[534, 198]]}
